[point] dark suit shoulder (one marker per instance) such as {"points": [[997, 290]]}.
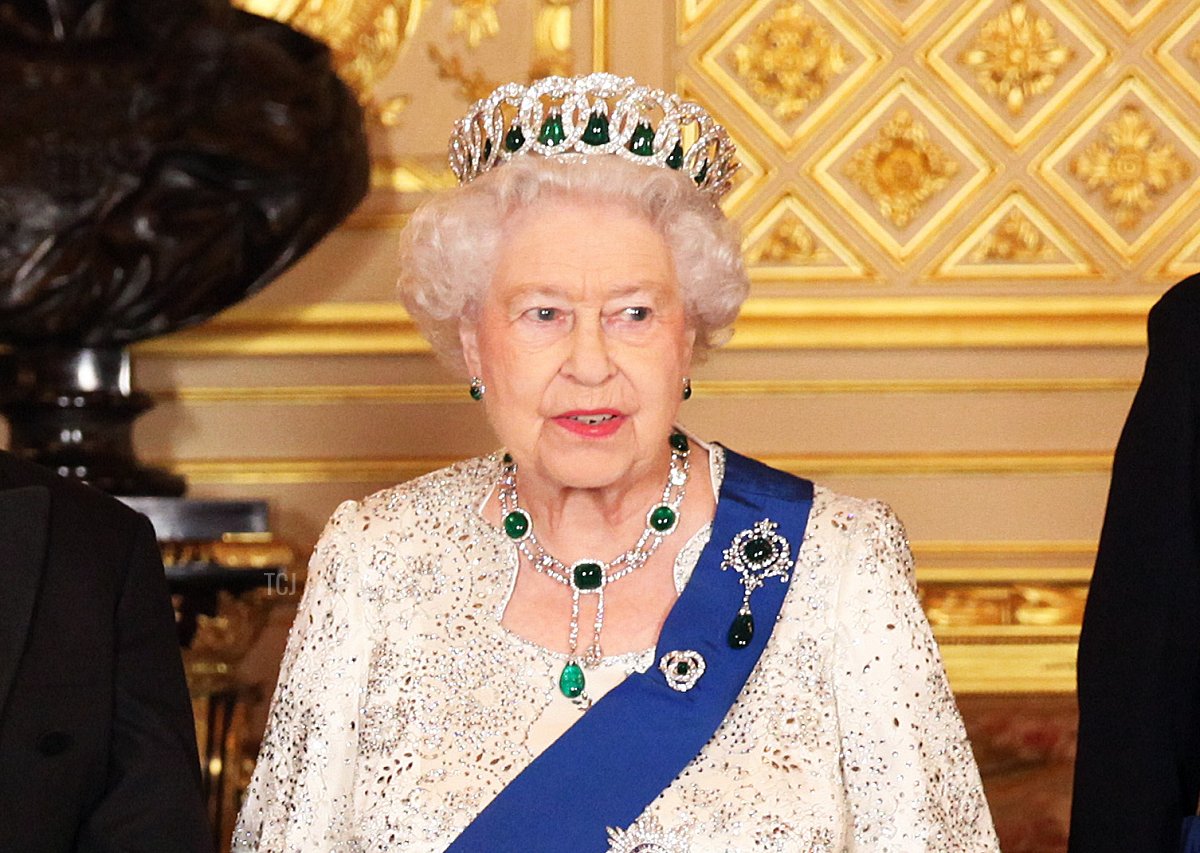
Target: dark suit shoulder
{"points": [[1181, 302], [69, 499]]}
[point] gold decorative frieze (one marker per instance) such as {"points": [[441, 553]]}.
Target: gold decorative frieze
{"points": [[264, 472], [904, 17], [1016, 240], [1132, 15], [789, 61], [770, 324], [553, 53], [902, 169], [1126, 166], [689, 14], [1179, 52], [789, 64], [1131, 165], [790, 243], [475, 20], [1017, 62], [471, 83], [410, 176], [1184, 259], [1016, 56]]}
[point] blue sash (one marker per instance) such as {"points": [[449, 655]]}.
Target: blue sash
{"points": [[608, 767]]}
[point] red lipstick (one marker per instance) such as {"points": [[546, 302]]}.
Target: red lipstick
{"points": [[591, 423]]}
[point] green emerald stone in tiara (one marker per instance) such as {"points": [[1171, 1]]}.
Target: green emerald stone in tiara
{"points": [[514, 139], [675, 159], [552, 131], [642, 141], [596, 132]]}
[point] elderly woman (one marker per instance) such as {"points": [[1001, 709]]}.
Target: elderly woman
{"points": [[609, 635]]}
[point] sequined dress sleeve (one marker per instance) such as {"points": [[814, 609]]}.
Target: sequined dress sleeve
{"points": [[301, 793], [910, 779]]}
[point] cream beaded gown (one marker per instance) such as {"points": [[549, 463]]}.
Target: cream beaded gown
{"points": [[404, 707]]}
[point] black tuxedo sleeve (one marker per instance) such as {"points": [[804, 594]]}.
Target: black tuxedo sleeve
{"points": [[152, 800], [1137, 772]]}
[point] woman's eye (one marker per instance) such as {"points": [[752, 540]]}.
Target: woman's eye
{"points": [[638, 313], [545, 315]]}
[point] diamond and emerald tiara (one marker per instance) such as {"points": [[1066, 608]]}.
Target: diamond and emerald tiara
{"points": [[593, 114]]}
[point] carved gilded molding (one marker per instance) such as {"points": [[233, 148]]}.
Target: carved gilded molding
{"points": [[902, 169], [1125, 165], [1017, 64], [260, 472], [789, 65], [1016, 239], [910, 322], [424, 394]]}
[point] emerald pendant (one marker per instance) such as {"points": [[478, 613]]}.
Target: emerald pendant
{"points": [[642, 141], [587, 575], [514, 139], [662, 518], [552, 132], [703, 174], [679, 443], [571, 680], [596, 132], [741, 632], [517, 524], [487, 150]]}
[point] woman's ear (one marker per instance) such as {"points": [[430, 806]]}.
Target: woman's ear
{"points": [[468, 336]]}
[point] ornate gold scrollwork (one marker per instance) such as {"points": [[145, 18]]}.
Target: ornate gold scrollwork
{"points": [[1130, 165], [789, 60], [553, 51], [1015, 238], [1016, 56], [475, 20], [902, 168]]}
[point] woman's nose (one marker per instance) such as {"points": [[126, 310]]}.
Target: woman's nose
{"points": [[590, 361]]}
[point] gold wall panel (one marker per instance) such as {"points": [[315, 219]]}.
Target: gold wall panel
{"points": [[1016, 64], [1017, 240], [789, 65], [902, 170], [1128, 166]]}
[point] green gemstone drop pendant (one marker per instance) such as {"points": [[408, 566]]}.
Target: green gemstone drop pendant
{"points": [[741, 630], [590, 576], [571, 681]]}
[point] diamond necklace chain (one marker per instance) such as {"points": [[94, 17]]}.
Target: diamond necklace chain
{"points": [[590, 576]]}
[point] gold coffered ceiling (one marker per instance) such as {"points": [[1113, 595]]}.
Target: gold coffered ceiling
{"points": [[985, 145]]}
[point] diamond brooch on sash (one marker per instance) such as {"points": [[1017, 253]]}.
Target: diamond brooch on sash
{"points": [[682, 669], [755, 554], [647, 835]]}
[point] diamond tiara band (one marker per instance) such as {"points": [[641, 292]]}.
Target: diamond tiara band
{"points": [[569, 117]]}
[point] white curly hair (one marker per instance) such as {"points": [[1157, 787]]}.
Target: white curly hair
{"points": [[449, 246]]}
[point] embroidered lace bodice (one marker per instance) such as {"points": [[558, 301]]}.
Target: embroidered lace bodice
{"points": [[403, 706]]}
